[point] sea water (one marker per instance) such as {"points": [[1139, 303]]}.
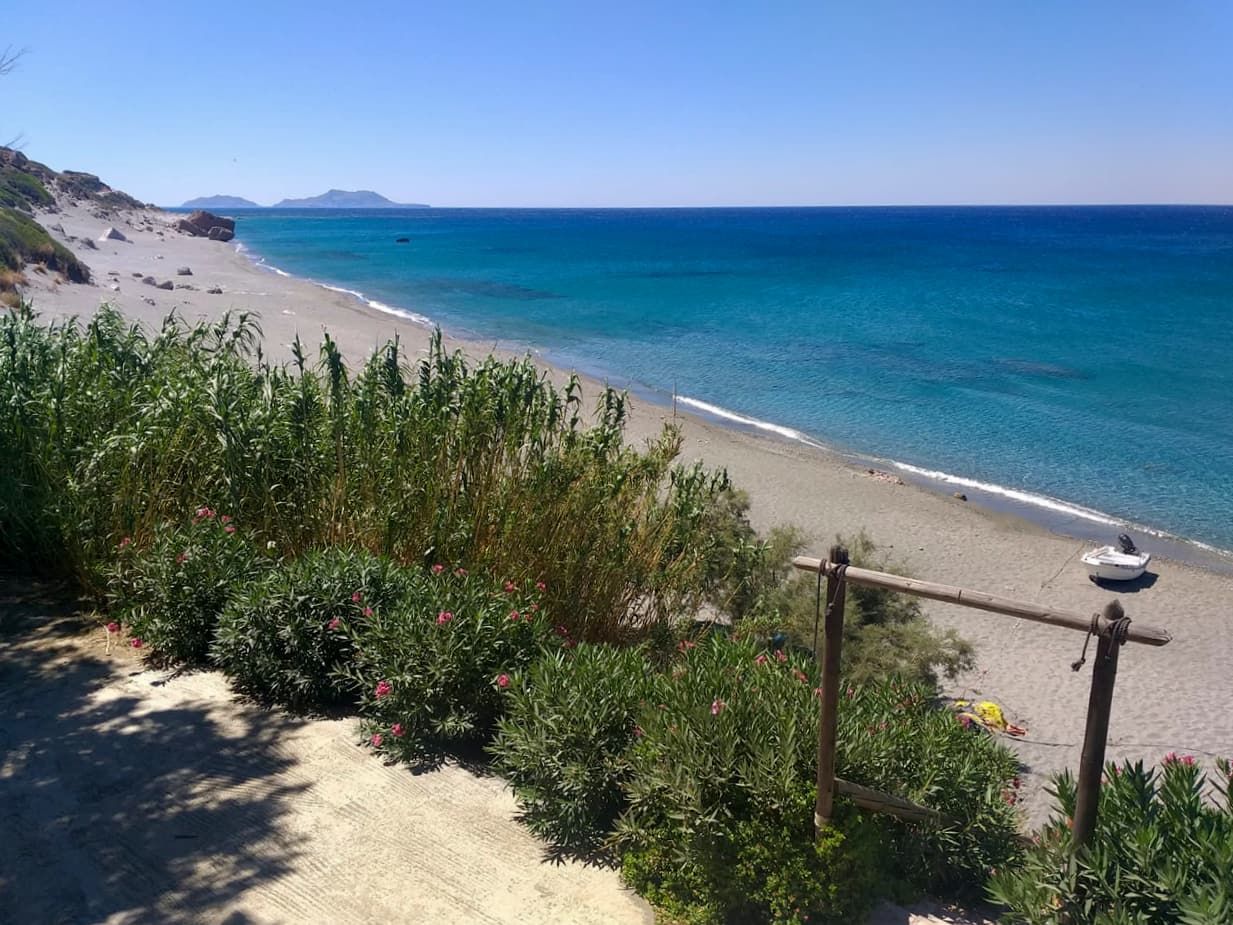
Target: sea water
{"points": [[1075, 360]]}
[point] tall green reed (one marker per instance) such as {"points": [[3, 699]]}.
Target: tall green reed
{"points": [[109, 431]]}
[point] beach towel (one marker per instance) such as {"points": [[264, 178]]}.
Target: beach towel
{"points": [[985, 714]]}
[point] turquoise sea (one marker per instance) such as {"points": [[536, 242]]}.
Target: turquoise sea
{"points": [[1073, 362]]}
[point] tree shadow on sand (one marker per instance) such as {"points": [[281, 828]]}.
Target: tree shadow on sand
{"points": [[114, 805]]}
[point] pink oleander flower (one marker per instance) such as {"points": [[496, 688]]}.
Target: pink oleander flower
{"points": [[438, 569], [638, 732], [355, 597], [113, 627], [225, 519], [534, 607], [124, 542], [562, 630], [384, 688], [510, 587], [800, 675], [514, 615], [460, 572], [397, 731], [851, 692], [334, 623], [204, 513], [229, 528], [368, 611], [136, 642], [182, 558], [780, 656], [502, 680], [444, 617], [817, 692], [685, 645], [1170, 758], [760, 660], [965, 721], [540, 586], [376, 740], [717, 706]]}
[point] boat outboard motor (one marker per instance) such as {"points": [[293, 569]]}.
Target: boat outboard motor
{"points": [[1127, 544]]}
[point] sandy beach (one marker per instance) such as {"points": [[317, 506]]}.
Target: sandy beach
{"points": [[1174, 699]]}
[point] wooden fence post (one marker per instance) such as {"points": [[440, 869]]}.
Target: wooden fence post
{"points": [[1099, 706], [828, 711]]}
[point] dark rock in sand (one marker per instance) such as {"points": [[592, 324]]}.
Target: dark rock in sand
{"points": [[149, 280], [166, 284], [88, 244], [214, 290], [960, 495], [139, 275], [184, 271], [201, 224]]}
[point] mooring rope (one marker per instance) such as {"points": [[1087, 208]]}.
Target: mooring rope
{"points": [[1119, 630]]}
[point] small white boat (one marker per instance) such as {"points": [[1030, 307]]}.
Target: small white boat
{"points": [[1116, 563]]}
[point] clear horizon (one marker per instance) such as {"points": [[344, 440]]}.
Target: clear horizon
{"points": [[556, 106]]}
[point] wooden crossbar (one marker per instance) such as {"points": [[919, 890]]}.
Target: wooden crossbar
{"points": [[965, 597]]}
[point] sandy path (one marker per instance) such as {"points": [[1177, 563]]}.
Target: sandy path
{"points": [[1174, 699], [130, 796]]}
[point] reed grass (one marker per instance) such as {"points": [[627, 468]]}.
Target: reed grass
{"points": [[109, 431]]}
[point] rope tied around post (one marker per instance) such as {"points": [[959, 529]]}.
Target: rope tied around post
{"points": [[1117, 629]]}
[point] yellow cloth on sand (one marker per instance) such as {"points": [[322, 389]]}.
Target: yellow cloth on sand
{"points": [[987, 714]]}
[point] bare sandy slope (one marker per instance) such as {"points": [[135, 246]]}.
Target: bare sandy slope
{"points": [[1177, 698]]}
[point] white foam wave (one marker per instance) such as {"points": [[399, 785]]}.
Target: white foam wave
{"points": [[380, 306], [1014, 494], [403, 313], [719, 412]]}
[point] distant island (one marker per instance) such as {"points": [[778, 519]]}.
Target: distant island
{"points": [[347, 199], [220, 202], [334, 199]]}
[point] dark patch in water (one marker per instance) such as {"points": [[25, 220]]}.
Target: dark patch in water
{"points": [[1043, 370], [484, 287], [679, 274]]}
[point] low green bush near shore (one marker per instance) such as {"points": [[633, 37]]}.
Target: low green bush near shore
{"points": [[1162, 852], [287, 636], [171, 588]]}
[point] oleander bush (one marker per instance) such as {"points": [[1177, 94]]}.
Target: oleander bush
{"points": [[563, 744], [431, 672], [287, 637], [1162, 852], [731, 743], [171, 588]]}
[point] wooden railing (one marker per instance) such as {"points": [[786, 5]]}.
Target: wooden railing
{"points": [[1111, 626]]}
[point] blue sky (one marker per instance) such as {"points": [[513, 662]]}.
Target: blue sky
{"points": [[632, 103]]}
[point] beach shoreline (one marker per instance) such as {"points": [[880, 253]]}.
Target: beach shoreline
{"points": [[979, 543]]}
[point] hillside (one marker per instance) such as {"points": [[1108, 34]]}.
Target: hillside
{"points": [[347, 199], [27, 186], [220, 202]]}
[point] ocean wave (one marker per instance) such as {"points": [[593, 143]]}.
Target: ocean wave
{"points": [[403, 313], [1054, 505], [1014, 494], [724, 413]]}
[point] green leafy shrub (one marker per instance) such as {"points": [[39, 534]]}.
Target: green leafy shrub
{"points": [[570, 720], [287, 637], [24, 241], [732, 743], [171, 589], [1162, 852], [893, 737], [886, 634], [432, 671]]}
